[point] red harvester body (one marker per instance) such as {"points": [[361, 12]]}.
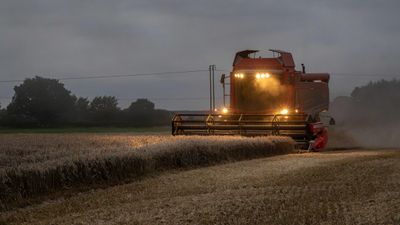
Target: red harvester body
{"points": [[267, 97]]}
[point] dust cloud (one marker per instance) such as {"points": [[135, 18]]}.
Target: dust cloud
{"points": [[260, 95], [370, 117], [269, 87]]}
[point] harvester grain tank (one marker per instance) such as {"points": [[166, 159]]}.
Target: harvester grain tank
{"points": [[267, 97]]}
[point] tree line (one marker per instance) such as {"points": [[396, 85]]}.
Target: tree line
{"points": [[43, 102], [374, 104]]}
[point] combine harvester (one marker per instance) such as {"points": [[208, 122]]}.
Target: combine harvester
{"points": [[267, 97]]}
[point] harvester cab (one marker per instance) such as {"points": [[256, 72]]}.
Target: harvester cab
{"points": [[267, 96]]}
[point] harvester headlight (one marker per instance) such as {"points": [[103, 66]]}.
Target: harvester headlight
{"points": [[262, 75], [284, 111], [239, 75], [225, 110]]}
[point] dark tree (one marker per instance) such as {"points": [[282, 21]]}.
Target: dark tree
{"points": [[104, 109], [141, 105], [2, 114], [81, 115], [142, 112], [45, 101], [82, 105]]}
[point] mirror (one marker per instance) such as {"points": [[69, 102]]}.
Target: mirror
{"points": [[332, 121], [222, 80]]}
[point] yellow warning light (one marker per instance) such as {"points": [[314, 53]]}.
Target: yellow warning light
{"points": [[239, 75]]}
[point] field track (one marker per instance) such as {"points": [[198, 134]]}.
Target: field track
{"points": [[337, 187]]}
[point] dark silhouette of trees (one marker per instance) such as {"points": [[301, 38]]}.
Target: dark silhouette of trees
{"points": [[42, 102], [142, 112], [104, 104], [104, 110], [141, 105], [2, 114], [81, 115], [375, 103], [82, 105]]}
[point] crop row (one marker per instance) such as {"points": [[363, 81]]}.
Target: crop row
{"points": [[25, 180]]}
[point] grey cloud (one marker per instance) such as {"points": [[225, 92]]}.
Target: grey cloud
{"points": [[54, 37]]}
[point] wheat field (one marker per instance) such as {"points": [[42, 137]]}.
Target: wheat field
{"points": [[38, 164], [338, 187]]}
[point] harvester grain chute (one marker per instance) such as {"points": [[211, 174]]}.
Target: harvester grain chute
{"points": [[267, 97]]}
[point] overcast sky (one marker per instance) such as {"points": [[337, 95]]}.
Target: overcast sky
{"points": [[55, 38]]}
